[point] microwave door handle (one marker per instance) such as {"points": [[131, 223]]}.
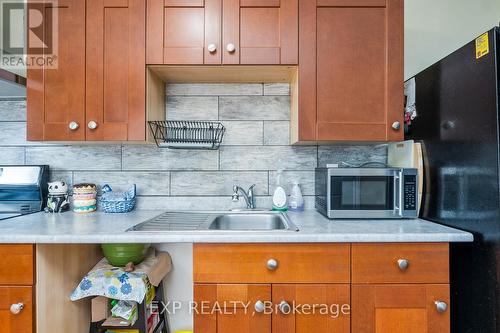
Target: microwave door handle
{"points": [[394, 193], [397, 194]]}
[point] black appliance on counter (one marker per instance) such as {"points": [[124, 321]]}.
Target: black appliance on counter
{"points": [[23, 189], [457, 103]]}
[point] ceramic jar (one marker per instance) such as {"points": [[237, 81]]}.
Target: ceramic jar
{"points": [[84, 198]]}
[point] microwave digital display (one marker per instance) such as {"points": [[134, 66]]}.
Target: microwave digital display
{"points": [[354, 193]]}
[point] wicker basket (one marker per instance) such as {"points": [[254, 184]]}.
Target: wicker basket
{"points": [[120, 206]]}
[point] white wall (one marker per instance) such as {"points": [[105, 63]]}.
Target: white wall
{"points": [[435, 28]]}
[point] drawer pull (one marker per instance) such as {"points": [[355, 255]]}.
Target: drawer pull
{"points": [[441, 306], [403, 264], [259, 306], [272, 264], [284, 307], [16, 308]]}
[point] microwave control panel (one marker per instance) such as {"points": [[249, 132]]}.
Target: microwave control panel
{"points": [[410, 186]]}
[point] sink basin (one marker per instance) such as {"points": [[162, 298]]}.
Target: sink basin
{"points": [[216, 221], [249, 221]]}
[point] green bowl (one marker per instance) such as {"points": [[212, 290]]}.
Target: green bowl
{"points": [[121, 254]]}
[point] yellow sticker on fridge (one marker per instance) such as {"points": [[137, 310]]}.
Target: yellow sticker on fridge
{"points": [[482, 45]]}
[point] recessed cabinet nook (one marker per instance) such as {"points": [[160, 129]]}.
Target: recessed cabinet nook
{"points": [[343, 59]]}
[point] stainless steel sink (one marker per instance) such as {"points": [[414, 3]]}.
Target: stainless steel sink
{"points": [[249, 221], [217, 221]]}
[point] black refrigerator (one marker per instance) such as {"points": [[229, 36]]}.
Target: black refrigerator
{"points": [[457, 122]]}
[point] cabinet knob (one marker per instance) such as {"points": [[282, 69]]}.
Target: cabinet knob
{"points": [[259, 306], [212, 48], [403, 264], [230, 48], [272, 264], [396, 125], [16, 308], [441, 306], [73, 125], [92, 125], [284, 307]]}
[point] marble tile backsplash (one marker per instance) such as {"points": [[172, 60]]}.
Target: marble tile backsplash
{"points": [[256, 144]]}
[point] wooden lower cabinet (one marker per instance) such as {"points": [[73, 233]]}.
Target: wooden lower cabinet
{"points": [[318, 308], [396, 308], [227, 308], [323, 288], [16, 288], [287, 308], [17, 268], [248, 263], [21, 322]]}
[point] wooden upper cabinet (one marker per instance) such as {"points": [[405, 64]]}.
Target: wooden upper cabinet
{"points": [[400, 308], [222, 32], [237, 304], [56, 96], [181, 31], [261, 31], [331, 315], [351, 70], [115, 71]]}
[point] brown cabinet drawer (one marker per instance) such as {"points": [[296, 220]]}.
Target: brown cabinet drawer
{"points": [[380, 263], [21, 322], [248, 263], [17, 264]]}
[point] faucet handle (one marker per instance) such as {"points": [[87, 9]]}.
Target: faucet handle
{"points": [[235, 197], [251, 188]]}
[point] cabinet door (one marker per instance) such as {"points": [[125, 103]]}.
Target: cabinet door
{"points": [[351, 73], [320, 308], [234, 306], [400, 308], [183, 32], [21, 322], [56, 96], [261, 31], [115, 75]]}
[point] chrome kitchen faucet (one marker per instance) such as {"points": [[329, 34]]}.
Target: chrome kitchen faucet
{"points": [[248, 195]]}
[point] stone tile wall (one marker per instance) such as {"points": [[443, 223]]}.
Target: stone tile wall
{"points": [[256, 144]]}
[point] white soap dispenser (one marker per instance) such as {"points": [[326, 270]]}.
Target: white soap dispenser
{"points": [[296, 203], [279, 196]]}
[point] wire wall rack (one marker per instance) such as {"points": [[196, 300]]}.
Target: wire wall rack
{"points": [[187, 134]]}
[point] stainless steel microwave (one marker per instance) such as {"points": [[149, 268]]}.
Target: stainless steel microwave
{"points": [[358, 193]]}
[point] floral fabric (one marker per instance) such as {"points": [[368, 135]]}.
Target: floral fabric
{"points": [[113, 283]]}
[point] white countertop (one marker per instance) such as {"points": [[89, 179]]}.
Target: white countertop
{"points": [[99, 227]]}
